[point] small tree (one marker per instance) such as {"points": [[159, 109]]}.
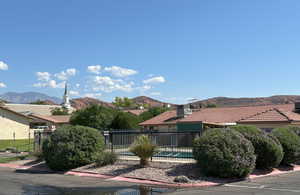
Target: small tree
{"points": [[94, 116], [123, 102], [144, 149], [59, 111], [124, 120]]}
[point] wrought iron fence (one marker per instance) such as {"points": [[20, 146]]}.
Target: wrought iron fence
{"points": [[171, 144]]}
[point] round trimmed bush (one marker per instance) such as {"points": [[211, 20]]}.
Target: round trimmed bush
{"points": [[290, 142], [72, 146], [224, 153], [268, 151]]}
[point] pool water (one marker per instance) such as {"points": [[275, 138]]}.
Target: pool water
{"points": [[166, 154]]}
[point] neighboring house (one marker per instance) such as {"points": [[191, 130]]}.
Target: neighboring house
{"points": [[136, 112], [265, 117], [51, 122], [14, 125], [19, 121], [28, 109]]}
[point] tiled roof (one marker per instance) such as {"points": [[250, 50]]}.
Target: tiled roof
{"points": [[273, 115], [168, 117], [55, 119], [16, 113], [32, 108], [135, 112], [230, 115]]}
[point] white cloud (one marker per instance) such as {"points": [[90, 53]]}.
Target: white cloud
{"points": [[50, 83], [3, 66], [43, 76], [77, 85], [155, 80], [75, 93], [118, 71], [107, 84], [93, 95], [64, 75], [2, 85], [94, 69], [145, 88]]}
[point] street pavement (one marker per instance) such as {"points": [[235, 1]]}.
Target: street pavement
{"points": [[285, 184], [14, 182]]}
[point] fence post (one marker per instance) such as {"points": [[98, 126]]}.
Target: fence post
{"points": [[29, 141], [111, 141], [151, 137], [40, 140]]}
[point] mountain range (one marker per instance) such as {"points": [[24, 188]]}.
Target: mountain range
{"points": [[79, 103], [27, 97]]}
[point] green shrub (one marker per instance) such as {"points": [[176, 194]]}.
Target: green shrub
{"points": [[72, 146], [290, 142], [295, 129], [106, 158], [94, 116], [124, 120], [268, 151], [224, 153], [143, 148]]}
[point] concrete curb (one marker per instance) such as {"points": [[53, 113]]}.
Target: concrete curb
{"points": [[143, 181]]}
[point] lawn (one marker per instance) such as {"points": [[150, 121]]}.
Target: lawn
{"points": [[13, 158], [23, 145]]}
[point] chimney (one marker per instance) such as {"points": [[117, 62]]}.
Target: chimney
{"points": [[297, 107], [183, 111]]}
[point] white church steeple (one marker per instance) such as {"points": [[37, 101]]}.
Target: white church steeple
{"points": [[66, 104]]}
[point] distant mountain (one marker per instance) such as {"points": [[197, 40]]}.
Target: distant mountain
{"points": [[27, 97], [230, 102], [81, 103], [147, 100]]}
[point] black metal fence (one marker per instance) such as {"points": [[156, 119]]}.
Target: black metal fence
{"points": [[39, 138], [171, 144]]}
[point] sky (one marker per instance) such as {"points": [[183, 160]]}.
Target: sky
{"points": [[171, 50]]}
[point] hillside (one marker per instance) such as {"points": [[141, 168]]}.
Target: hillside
{"points": [[228, 102], [81, 103], [27, 97], [147, 100]]}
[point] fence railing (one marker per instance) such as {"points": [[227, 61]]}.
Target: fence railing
{"points": [[171, 144]]}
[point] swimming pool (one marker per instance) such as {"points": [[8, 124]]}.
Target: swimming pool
{"points": [[165, 154]]}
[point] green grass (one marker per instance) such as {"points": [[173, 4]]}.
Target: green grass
{"points": [[22, 145], [10, 159]]}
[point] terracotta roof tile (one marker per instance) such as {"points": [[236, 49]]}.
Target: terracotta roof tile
{"points": [[55, 119], [273, 115], [135, 112], [230, 115]]}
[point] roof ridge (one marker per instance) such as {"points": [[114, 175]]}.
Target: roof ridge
{"points": [[280, 112], [257, 114]]}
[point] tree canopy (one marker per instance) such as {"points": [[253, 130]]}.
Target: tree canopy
{"points": [[59, 111], [95, 116], [125, 120]]}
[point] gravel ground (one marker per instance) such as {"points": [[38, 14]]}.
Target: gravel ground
{"points": [[164, 172]]}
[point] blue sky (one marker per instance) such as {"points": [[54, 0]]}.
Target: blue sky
{"points": [[167, 49]]}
